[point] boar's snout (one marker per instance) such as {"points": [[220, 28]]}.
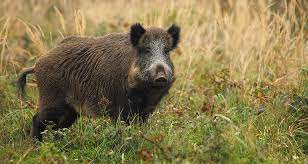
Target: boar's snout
{"points": [[160, 79], [161, 76]]}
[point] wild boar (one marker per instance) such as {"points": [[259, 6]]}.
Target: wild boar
{"points": [[132, 70]]}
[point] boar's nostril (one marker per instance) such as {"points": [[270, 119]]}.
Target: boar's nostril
{"points": [[160, 79]]}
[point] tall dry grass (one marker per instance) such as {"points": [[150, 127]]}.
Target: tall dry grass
{"points": [[253, 39]]}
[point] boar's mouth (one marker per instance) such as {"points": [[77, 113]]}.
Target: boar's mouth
{"points": [[161, 86]]}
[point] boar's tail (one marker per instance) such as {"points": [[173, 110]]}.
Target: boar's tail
{"points": [[21, 81]]}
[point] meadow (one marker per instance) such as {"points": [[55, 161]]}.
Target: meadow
{"points": [[241, 94]]}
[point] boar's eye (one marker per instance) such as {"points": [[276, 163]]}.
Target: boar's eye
{"points": [[166, 50], [147, 49]]}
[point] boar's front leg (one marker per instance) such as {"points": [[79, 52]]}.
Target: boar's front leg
{"points": [[128, 114]]}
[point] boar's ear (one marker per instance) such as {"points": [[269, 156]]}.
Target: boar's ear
{"points": [[136, 32], [174, 31]]}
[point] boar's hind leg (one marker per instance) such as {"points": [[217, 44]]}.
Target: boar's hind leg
{"points": [[62, 116]]}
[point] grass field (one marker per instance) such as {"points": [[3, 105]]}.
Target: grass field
{"points": [[241, 94]]}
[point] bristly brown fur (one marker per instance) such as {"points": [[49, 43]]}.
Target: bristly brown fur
{"points": [[80, 71]]}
